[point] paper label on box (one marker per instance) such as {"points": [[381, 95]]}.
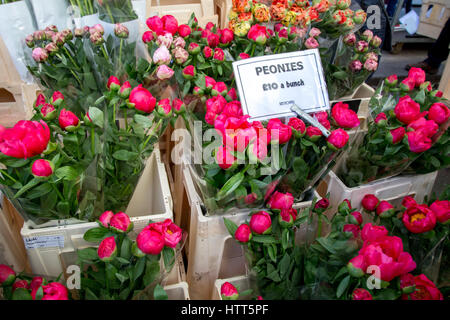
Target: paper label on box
{"points": [[269, 85], [44, 242]]}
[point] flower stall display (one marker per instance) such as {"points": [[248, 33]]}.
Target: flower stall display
{"points": [[423, 228], [21, 286], [59, 166], [126, 266], [407, 129]]}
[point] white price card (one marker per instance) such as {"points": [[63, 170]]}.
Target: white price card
{"points": [[268, 86], [44, 242]]}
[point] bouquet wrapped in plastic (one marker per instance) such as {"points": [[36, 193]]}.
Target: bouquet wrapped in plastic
{"points": [[407, 123]]}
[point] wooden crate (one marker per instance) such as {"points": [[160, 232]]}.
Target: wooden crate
{"points": [[431, 26], [223, 8], [444, 85], [183, 9]]}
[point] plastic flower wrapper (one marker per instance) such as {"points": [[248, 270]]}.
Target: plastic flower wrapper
{"points": [[401, 130], [24, 286], [274, 261], [128, 264], [115, 11], [86, 7], [356, 59], [424, 229], [49, 164]]}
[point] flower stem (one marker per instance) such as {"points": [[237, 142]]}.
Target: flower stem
{"points": [[7, 175], [319, 225], [105, 54], [126, 119], [57, 192], [93, 141], [71, 58], [109, 13], [120, 51], [152, 133]]}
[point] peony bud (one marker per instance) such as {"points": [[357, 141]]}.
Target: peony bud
{"points": [[39, 54], [311, 43], [57, 98], [113, 83], [189, 72], [165, 40], [376, 42], [180, 55], [313, 133], [357, 266], [370, 202], [20, 284], [40, 100], [207, 52], [361, 47], [381, 119], [162, 56], [155, 24], [164, 108], [229, 292], [29, 40], [385, 209], [352, 228], [224, 158], [407, 283], [194, 48], [170, 23], [243, 233], [96, 38], [184, 30], [7, 276], [298, 126], [125, 90], [355, 65], [79, 32], [407, 84], [367, 35], [370, 65], [243, 56], [442, 210], [322, 205], [105, 218], [121, 223], [219, 88], [179, 42], [439, 113], [337, 139], [178, 106], [164, 72], [42, 168], [121, 31], [361, 294], [281, 201], [345, 206], [98, 28], [391, 81], [68, 120], [219, 55], [350, 39], [141, 99], [147, 37], [395, 135], [355, 217], [261, 223], [408, 202], [287, 217], [150, 241], [107, 250], [48, 112]]}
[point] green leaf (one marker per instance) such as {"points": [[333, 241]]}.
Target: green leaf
{"points": [[342, 286], [387, 294], [232, 184], [96, 116], [284, 265], [122, 278], [144, 121], [340, 75], [124, 155], [125, 249], [264, 239], [90, 295], [88, 254], [151, 272], [21, 294], [96, 234], [138, 268], [159, 293], [169, 258], [67, 173], [27, 187], [40, 191], [285, 239], [272, 250], [231, 226]]}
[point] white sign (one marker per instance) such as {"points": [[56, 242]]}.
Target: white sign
{"points": [[269, 85], [44, 242]]}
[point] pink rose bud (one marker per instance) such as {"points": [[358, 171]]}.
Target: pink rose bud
{"points": [[408, 202], [141, 99], [313, 133], [184, 30], [20, 284], [226, 37], [178, 106], [243, 56], [357, 266], [155, 24], [376, 42], [395, 135], [219, 54], [209, 82], [162, 56], [224, 158], [355, 217], [243, 233], [150, 241], [105, 218], [311, 43], [261, 223], [121, 31], [207, 52], [163, 72], [147, 37], [281, 201], [229, 292], [179, 42], [314, 32], [125, 90], [370, 202], [57, 98], [442, 210], [40, 100], [120, 222], [68, 120], [407, 283], [381, 119], [361, 294], [418, 141], [55, 291], [337, 139], [350, 39], [113, 84], [194, 48], [352, 228], [391, 81], [356, 65], [439, 113], [164, 108], [298, 126], [170, 23], [219, 88], [344, 116], [39, 54], [7, 275], [370, 65], [385, 209], [407, 110], [107, 250], [322, 204], [418, 75], [165, 40], [189, 72], [48, 112], [361, 46], [42, 168]]}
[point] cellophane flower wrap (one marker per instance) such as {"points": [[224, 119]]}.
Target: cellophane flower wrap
{"points": [[128, 265], [115, 11], [424, 229], [407, 132], [24, 286]]}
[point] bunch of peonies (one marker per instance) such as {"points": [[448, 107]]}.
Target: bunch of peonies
{"points": [[22, 287]]}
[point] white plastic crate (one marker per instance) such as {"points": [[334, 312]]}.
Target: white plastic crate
{"points": [[179, 291], [212, 252], [151, 201], [241, 282], [390, 189]]}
